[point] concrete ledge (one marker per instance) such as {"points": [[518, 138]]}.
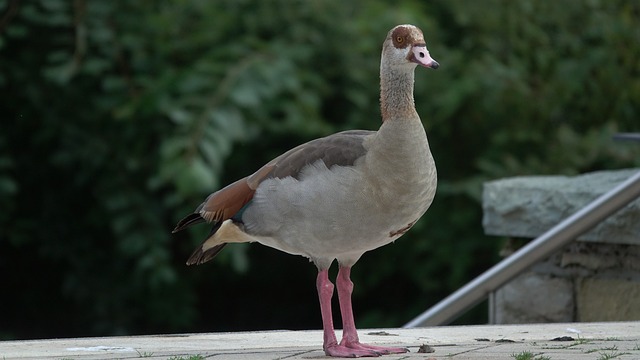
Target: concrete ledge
{"points": [[586, 341], [528, 206]]}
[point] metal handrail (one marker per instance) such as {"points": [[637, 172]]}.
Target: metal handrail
{"points": [[543, 246], [627, 136]]}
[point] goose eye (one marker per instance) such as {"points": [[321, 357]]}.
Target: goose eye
{"points": [[399, 39]]}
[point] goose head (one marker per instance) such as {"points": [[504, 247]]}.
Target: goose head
{"points": [[405, 47]]}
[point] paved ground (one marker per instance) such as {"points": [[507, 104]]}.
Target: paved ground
{"points": [[597, 341]]}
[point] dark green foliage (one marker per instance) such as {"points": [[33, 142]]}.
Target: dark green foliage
{"points": [[120, 116]]}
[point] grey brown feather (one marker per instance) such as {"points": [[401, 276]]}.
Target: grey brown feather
{"points": [[200, 257], [342, 149], [189, 220]]}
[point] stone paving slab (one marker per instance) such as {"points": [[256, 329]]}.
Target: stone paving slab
{"points": [[597, 341]]}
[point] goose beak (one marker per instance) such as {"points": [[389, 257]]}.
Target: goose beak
{"points": [[420, 55]]}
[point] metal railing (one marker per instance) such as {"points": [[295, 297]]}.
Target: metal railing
{"points": [[542, 247]]}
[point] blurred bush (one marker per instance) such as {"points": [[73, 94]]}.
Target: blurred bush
{"points": [[119, 117]]}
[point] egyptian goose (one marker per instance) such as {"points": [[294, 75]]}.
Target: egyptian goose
{"points": [[339, 196]]}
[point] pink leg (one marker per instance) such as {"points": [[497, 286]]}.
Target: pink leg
{"points": [[325, 292], [331, 346], [350, 334]]}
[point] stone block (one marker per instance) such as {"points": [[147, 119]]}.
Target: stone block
{"points": [[598, 257], [603, 299], [535, 298]]}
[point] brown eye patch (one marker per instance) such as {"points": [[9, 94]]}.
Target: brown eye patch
{"points": [[401, 37]]}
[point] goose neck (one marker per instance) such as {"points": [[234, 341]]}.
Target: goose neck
{"points": [[396, 94]]}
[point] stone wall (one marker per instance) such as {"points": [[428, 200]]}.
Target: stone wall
{"points": [[596, 278]]}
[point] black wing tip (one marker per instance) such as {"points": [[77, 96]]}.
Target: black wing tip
{"points": [[189, 220], [200, 257]]}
